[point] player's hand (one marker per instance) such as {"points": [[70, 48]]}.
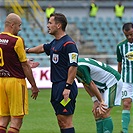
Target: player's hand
{"points": [[95, 105], [66, 93], [99, 109], [35, 91], [102, 108], [32, 63], [95, 108]]}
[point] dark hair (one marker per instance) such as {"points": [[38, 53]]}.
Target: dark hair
{"points": [[60, 18], [127, 26]]}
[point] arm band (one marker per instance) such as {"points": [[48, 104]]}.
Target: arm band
{"points": [[94, 98], [27, 49], [68, 86]]}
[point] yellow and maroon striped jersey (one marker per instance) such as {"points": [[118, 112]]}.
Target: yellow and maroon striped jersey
{"points": [[12, 53]]}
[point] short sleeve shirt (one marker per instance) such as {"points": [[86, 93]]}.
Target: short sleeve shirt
{"points": [[124, 49], [63, 54], [102, 74], [12, 53]]}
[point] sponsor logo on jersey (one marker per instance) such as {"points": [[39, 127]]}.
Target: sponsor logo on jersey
{"points": [[55, 58], [4, 41], [4, 73], [129, 55], [73, 57]]}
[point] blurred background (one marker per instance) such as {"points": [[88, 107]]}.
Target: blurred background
{"points": [[96, 26]]}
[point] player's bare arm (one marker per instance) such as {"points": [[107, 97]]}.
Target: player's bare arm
{"points": [[30, 78], [119, 67], [93, 91], [38, 49], [71, 76]]}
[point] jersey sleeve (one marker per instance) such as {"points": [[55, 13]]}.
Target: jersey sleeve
{"points": [[19, 48], [47, 48], [72, 53], [118, 53], [83, 74]]}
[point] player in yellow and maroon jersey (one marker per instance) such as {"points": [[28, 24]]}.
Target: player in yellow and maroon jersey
{"points": [[14, 68]]}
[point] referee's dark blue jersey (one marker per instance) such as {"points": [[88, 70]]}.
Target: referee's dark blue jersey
{"points": [[63, 54]]}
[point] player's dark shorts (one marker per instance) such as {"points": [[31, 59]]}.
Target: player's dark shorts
{"points": [[57, 97]]}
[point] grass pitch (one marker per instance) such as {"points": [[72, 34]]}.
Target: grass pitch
{"points": [[41, 118]]}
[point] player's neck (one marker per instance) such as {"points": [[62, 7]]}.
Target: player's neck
{"points": [[8, 30], [59, 36]]}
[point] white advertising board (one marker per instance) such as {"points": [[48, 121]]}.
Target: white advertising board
{"points": [[42, 78]]}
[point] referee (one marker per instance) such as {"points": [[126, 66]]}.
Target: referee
{"points": [[63, 57]]}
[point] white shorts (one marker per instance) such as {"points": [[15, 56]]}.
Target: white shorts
{"points": [[127, 90], [112, 96]]}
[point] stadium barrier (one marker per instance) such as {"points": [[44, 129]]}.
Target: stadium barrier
{"points": [[42, 77]]}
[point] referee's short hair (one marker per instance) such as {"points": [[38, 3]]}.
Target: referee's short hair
{"points": [[60, 18]]}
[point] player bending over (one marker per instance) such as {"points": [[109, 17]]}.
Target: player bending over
{"points": [[95, 76]]}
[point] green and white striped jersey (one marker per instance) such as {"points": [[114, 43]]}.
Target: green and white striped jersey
{"points": [[123, 49], [102, 74]]}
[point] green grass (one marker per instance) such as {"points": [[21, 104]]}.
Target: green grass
{"points": [[41, 118]]}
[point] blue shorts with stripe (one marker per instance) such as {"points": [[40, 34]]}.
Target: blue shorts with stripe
{"points": [[57, 97]]}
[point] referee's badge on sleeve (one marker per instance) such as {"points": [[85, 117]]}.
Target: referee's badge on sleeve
{"points": [[73, 57], [55, 58]]}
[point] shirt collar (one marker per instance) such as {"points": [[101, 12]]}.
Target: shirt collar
{"points": [[130, 43]]}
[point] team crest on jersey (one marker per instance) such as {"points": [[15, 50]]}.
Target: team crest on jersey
{"points": [[55, 58], [73, 57], [129, 55]]}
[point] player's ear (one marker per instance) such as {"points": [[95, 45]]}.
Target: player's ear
{"points": [[58, 25], [12, 24]]}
